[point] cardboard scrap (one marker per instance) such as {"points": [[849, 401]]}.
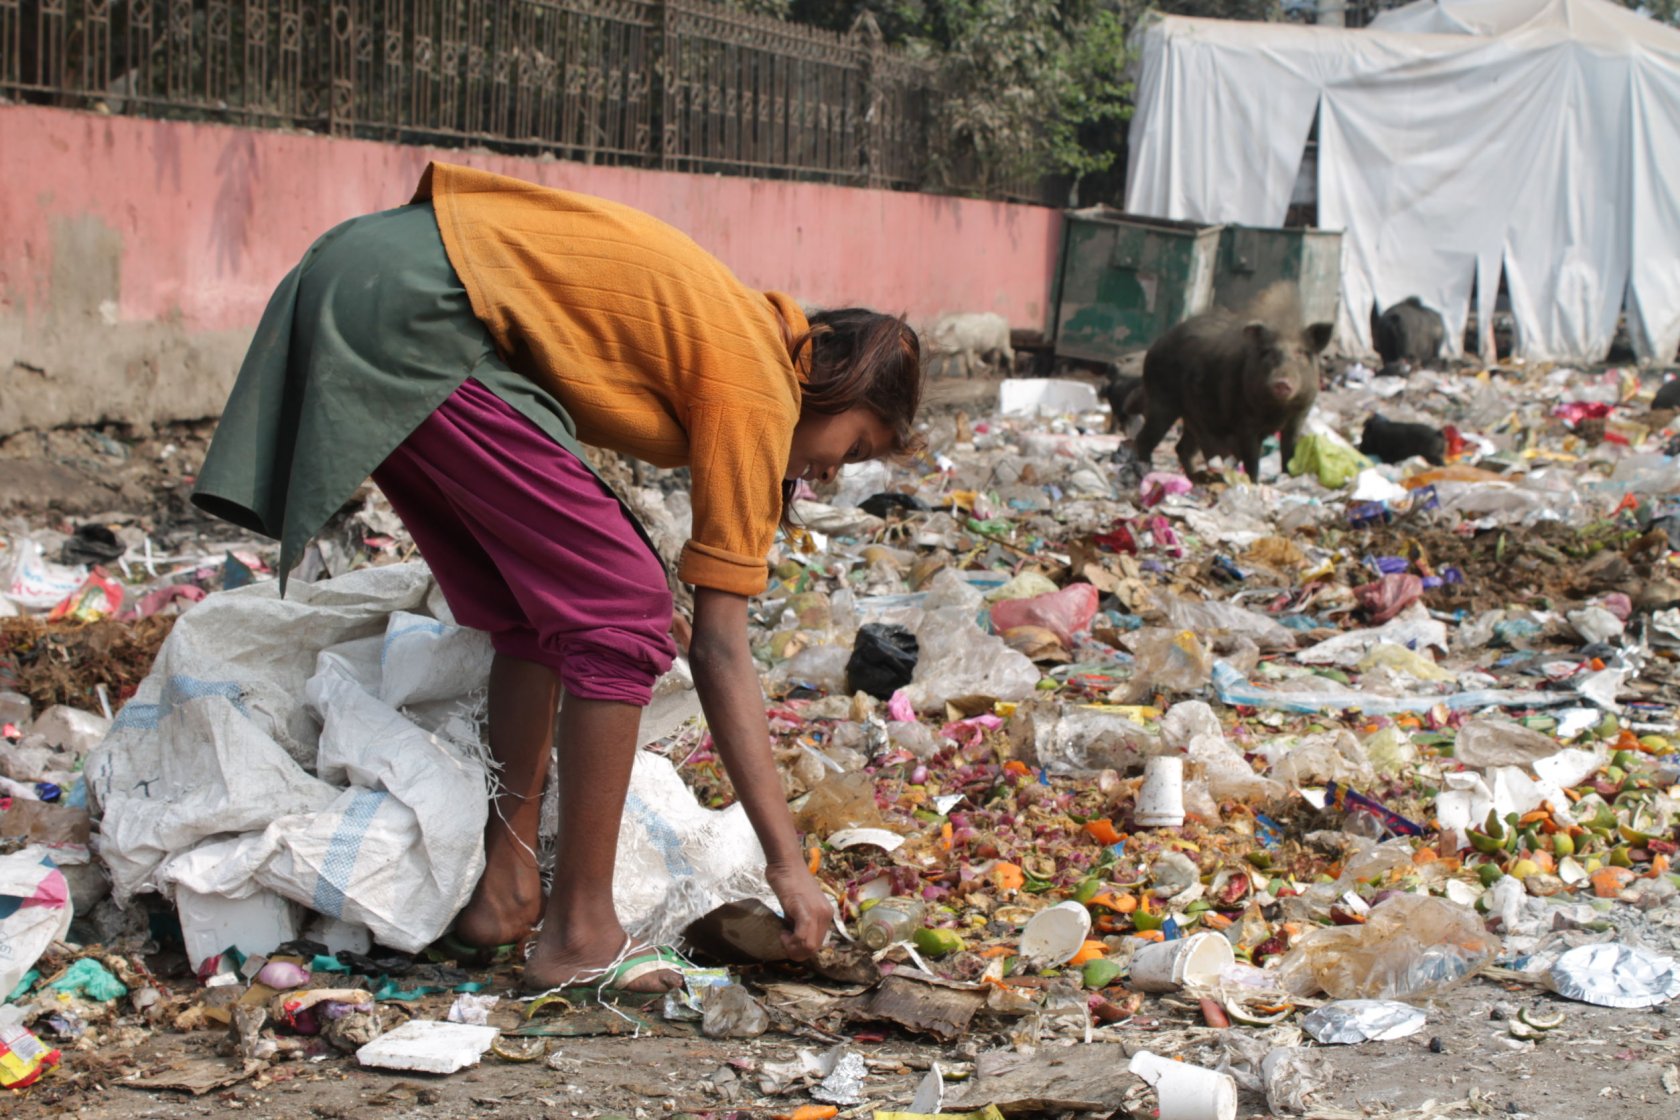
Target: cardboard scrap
{"points": [[1086, 1077], [196, 1076], [921, 1003]]}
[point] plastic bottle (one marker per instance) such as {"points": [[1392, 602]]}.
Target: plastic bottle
{"points": [[888, 922]]}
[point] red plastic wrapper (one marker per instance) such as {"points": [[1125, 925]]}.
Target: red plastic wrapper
{"points": [[1066, 612], [23, 1057], [1389, 595], [98, 597]]}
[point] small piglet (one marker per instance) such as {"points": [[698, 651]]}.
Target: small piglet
{"points": [[1668, 396], [1392, 441], [1407, 336], [1234, 379]]}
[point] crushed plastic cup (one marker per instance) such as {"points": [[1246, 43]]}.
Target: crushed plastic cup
{"points": [[1052, 936], [1195, 961], [1187, 1092], [1160, 801]]}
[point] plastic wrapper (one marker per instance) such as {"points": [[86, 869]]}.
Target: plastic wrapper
{"points": [[23, 1058], [1387, 655], [1067, 612], [1027, 585], [820, 667], [959, 659], [1615, 975], [1484, 743], [837, 802], [1273, 1063], [1331, 459], [1268, 634], [1167, 661], [883, 660], [1228, 774], [1410, 947], [1334, 756], [1363, 1020], [1388, 596], [1412, 629], [1233, 687], [728, 1011], [1067, 738], [36, 583]]}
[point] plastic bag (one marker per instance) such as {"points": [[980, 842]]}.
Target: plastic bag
{"points": [[1027, 585], [1334, 756], [837, 802], [1410, 947], [820, 667], [959, 659], [1485, 743], [1334, 461], [215, 748], [1067, 612], [1387, 655], [35, 899], [883, 660], [1388, 596], [1202, 617], [1167, 661], [36, 583], [1066, 738]]}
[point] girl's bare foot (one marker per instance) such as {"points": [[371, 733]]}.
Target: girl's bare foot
{"points": [[508, 901]]}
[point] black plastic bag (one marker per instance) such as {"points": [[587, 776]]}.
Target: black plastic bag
{"points": [[883, 657]]}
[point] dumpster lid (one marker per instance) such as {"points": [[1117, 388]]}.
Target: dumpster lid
{"points": [[1102, 212]]}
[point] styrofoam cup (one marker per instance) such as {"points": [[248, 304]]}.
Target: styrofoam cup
{"points": [[1166, 966], [1160, 801], [1187, 1092], [1053, 935]]}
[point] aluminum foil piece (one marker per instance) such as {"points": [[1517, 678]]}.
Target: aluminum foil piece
{"points": [[1616, 975], [844, 1085], [1363, 1020]]}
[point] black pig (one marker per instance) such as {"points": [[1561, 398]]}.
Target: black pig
{"points": [[1233, 379], [1119, 392], [1407, 336], [1392, 441]]}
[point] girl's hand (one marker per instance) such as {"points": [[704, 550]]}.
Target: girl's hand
{"points": [[806, 909]]}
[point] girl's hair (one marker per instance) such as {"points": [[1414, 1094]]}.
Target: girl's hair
{"points": [[854, 356]]}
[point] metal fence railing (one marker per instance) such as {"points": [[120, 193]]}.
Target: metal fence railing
{"points": [[679, 84]]}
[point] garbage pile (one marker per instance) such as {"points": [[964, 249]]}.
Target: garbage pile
{"points": [[1084, 749]]}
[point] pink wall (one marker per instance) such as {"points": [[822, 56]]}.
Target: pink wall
{"points": [[207, 218]]}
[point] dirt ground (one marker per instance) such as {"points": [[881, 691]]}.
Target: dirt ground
{"points": [[1600, 1063]]}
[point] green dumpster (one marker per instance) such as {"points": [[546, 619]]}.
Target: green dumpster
{"points": [[1252, 257], [1125, 279]]}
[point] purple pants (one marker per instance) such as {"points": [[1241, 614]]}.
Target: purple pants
{"points": [[529, 545]]}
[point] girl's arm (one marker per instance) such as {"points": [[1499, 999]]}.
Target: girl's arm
{"points": [[730, 695]]}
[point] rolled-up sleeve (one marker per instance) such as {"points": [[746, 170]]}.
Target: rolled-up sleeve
{"points": [[738, 453]]}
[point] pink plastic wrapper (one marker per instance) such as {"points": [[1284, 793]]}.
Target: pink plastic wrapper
{"points": [[1389, 595], [1065, 613], [1617, 604], [1158, 486]]}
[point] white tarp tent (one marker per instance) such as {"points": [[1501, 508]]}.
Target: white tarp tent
{"points": [[1455, 137]]}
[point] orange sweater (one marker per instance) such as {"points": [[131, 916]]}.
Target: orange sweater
{"points": [[648, 341]]}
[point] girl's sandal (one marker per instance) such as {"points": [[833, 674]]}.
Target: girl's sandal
{"points": [[607, 985], [449, 947]]}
